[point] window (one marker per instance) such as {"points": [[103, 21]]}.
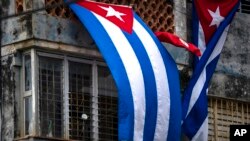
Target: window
{"points": [[245, 6], [27, 94], [50, 97], [76, 98], [107, 105], [28, 113], [80, 92], [27, 72]]}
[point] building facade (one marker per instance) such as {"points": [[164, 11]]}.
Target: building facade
{"points": [[56, 85]]}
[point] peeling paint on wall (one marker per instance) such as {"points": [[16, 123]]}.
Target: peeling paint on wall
{"points": [[8, 99]]}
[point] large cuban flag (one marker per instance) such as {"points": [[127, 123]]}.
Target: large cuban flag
{"points": [[145, 74], [211, 20]]}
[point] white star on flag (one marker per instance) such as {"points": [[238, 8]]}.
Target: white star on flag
{"points": [[217, 18], [111, 12]]}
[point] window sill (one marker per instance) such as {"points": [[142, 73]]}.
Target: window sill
{"points": [[39, 138]]}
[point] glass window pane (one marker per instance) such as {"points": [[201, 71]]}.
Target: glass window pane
{"points": [[28, 114], [27, 62], [80, 91], [51, 97], [107, 104]]}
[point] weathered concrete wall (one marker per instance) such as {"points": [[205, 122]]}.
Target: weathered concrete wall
{"points": [[230, 86], [44, 27], [8, 101], [61, 30], [180, 11], [233, 77], [7, 97], [180, 55], [17, 29], [235, 57]]}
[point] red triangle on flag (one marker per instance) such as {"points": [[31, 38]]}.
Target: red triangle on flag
{"points": [[122, 16]]}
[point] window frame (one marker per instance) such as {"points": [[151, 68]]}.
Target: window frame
{"points": [[25, 93], [34, 92], [52, 56]]}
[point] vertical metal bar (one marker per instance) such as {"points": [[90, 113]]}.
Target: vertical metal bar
{"points": [[95, 131], [76, 99], [53, 101], [215, 107], [66, 96], [232, 112], [242, 114], [247, 112], [237, 112]]}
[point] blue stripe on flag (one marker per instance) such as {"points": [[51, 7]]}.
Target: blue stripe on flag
{"points": [[198, 113], [192, 123], [174, 86], [203, 61], [149, 79], [109, 52]]}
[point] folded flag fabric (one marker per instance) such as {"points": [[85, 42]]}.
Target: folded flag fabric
{"points": [[178, 42], [211, 20], [145, 74]]}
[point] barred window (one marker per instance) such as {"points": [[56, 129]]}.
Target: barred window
{"points": [[50, 97], [107, 103], [77, 99], [245, 6], [80, 91]]}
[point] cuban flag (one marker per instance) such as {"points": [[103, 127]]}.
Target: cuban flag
{"points": [[146, 76], [178, 42], [211, 20]]}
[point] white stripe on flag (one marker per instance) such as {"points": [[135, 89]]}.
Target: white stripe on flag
{"points": [[163, 94], [202, 133], [134, 73], [201, 40], [202, 79], [197, 90], [219, 45]]}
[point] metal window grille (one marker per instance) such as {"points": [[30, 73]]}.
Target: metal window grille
{"points": [[91, 101], [83, 81], [107, 106], [222, 114], [80, 89], [51, 97], [245, 6]]}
